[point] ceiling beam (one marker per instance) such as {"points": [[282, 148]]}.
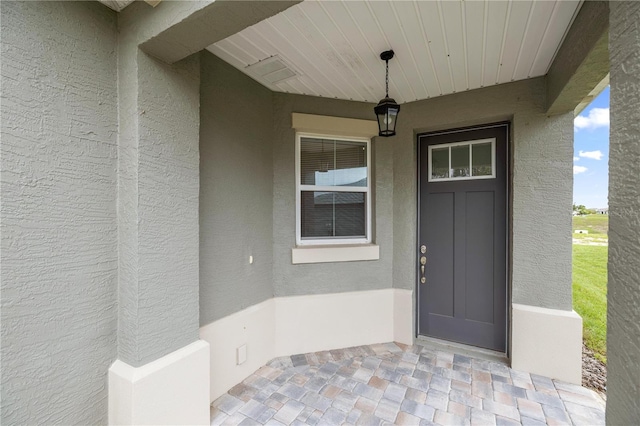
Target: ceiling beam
{"points": [[592, 95], [210, 24], [582, 61]]}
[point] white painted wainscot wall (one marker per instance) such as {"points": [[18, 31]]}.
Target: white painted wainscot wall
{"points": [[285, 326]]}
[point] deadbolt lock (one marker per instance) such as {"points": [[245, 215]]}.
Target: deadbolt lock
{"points": [[423, 249]]}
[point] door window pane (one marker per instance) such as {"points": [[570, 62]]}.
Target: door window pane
{"points": [[440, 163], [460, 161], [332, 214], [482, 159]]}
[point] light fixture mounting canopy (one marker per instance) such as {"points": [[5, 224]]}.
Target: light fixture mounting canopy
{"points": [[387, 55]]}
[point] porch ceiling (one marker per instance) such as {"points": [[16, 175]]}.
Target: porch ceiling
{"points": [[116, 5], [441, 47]]}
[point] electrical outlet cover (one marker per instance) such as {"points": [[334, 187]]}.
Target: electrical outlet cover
{"points": [[241, 354]]}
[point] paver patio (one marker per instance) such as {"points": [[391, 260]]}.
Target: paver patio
{"points": [[393, 383]]}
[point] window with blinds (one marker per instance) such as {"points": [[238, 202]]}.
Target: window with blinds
{"points": [[333, 197]]}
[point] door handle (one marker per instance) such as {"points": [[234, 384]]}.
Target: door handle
{"points": [[423, 261]]}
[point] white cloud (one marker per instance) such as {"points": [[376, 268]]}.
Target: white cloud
{"points": [[576, 158], [594, 155], [579, 169], [598, 117]]}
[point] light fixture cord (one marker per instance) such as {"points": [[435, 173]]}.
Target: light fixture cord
{"points": [[386, 80]]}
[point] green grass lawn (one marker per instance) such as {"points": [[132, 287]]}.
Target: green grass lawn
{"points": [[590, 285], [596, 224]]}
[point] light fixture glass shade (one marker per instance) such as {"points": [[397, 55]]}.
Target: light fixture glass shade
{"points": [[387, 113]]}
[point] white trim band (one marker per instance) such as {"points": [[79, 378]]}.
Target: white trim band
{"points": [[171, 390], [547, 342]]}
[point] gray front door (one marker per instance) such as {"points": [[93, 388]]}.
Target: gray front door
{"points": [[462, 289]]}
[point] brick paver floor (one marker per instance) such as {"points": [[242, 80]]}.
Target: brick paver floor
{"points": [[393, 383]]}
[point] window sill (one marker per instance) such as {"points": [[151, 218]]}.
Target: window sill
{"points": [[334, 253]]}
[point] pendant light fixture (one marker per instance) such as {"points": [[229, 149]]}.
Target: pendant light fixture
{"points": [[387, 109]]}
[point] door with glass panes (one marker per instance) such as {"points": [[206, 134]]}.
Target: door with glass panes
{"points": [[462, 247]]}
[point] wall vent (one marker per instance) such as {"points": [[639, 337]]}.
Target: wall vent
{"points": [[272, 70]]}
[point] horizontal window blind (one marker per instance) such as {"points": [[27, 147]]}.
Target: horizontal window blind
{"points": [[333, 189]]}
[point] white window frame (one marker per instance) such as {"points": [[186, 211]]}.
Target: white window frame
{"points": [[470, 143], [299, 188]]}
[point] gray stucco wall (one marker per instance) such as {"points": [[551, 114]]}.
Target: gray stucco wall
{"points": [[247, 197], [158, 164], [158, 190], [542, 151], [58, 214], [542, 185], [623, 316], [236, 190], [338, 277]]}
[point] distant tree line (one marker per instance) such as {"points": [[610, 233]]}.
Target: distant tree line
{"points": [[582, 210]]}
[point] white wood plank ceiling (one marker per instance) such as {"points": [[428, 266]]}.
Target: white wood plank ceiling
{"points": [[116, 5], [441, 47]]}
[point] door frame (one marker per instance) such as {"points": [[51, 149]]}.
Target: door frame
{"points": [[508, 224]]}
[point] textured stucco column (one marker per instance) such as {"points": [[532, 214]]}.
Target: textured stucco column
{"points": [[158, 186], [162, 370], [623, 316], [161, 361], [546, 334]]}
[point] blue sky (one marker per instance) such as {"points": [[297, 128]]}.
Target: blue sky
{"points": [[591, 153]]}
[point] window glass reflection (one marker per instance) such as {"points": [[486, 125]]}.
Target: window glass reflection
{"points": [[333, 214], [333, 163], [440, 163]]}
